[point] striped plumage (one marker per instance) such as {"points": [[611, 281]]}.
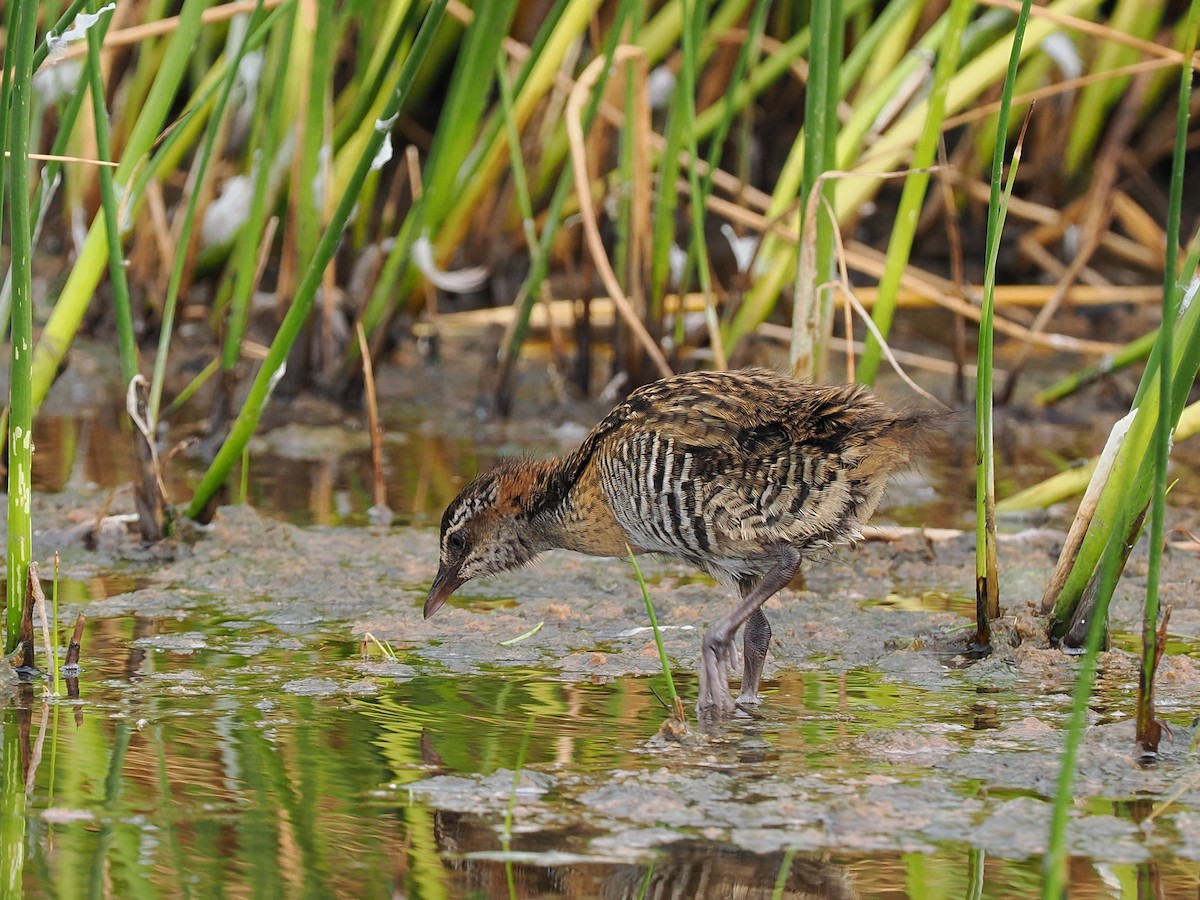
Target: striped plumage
{"points": [[738, 473]]}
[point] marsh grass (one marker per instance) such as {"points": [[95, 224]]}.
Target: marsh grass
{"points": [[18, 53], [1118, 534], [987, 578], [56, 668], [676, 704]]}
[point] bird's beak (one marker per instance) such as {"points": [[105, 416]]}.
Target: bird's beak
{"points": [[446, 583]]}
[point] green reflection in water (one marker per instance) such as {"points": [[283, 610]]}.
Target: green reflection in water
{"points": [[213, 755], [12, 810]]}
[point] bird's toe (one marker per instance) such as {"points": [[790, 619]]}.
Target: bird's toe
{"points": [[714, 678], [748, 697]]}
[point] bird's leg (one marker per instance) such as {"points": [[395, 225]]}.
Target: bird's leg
{"points": [[744, 586], [717, 647], [755, 641]]}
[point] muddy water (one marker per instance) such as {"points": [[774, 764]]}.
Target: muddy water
{"points": [[237, 732]]}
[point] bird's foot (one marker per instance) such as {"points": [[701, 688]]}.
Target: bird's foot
{"points": [[748, 697], [716, 654]]}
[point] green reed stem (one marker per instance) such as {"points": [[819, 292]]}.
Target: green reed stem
{"points": [[1112, 560], [45, 190], [293, 322], [976, 860], [781, 877], [387, 45], [645, 885], [526, 299], [244, 479], [662, 653], [987, 587], [1054, 864], [1132, 352], [54, 616], [625, 249], [1165, 422], [666, 200], [520, 179], [518, 767], [20, 392], [66, 123], [681, 126]]}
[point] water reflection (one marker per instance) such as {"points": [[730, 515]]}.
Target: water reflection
{"points": [[215, 755], [309, 475], [320, 473]]}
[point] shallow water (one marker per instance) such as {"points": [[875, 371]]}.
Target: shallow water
{"points": [[235, 732], [210, 752]]}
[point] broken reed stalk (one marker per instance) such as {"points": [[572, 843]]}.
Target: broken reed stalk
{"points": [[379, 491], [1129, 498], [1149, 729], [1073, 481], [149, 491], [71, 663], [70, 667], [150, 501], [39, 609], [27, 656]]}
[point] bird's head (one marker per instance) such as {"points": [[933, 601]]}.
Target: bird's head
{"points": [[487, 529]]}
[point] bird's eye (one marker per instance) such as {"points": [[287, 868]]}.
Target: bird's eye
{"points": [[456, 543]]}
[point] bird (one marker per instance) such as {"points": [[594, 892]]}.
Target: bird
{"points": [[740, 473]]}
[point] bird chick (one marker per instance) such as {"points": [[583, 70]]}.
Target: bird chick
{"points": [[741, 474]]}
